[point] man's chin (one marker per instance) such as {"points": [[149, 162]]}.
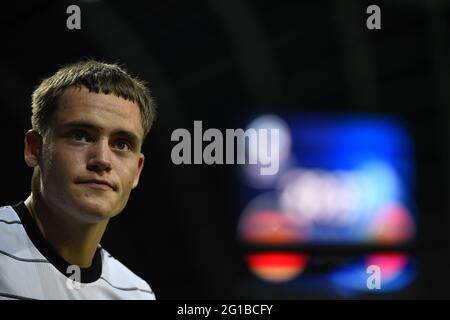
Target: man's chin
{"points": [[95, 212]]}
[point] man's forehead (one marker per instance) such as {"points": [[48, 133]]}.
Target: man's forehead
{"points": [[104, 111]]}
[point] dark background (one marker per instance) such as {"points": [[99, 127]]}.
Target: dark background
{"points": [[213, 61]]}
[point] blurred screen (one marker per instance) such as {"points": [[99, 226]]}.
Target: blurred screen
{"points": [[344, 183]]}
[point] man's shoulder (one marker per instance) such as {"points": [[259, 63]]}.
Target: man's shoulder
{"points": [[118, 275], [10, 224], [8, 212], [14, 241]]}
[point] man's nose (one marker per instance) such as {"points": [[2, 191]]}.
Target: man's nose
{"points": [[99, 156]]}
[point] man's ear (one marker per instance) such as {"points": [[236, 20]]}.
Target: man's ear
{"points": [[33, 147], [140, 167]]}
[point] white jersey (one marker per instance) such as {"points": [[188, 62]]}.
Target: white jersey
{"points": [[31, 269]]}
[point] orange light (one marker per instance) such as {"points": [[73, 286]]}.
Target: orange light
{"points": [[270, 227], [277, 266]]}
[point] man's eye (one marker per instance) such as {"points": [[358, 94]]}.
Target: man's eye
{"points": [[122, 146], [78, 136]]}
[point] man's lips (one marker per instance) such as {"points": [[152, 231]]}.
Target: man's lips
{"points": [[97, 184]]}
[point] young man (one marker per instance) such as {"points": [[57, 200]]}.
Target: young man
{"points": [[89, 121]]}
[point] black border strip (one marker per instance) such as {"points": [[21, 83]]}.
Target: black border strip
{"points": [[10, 222], [13, 296], [126, 289], [23, 259]]}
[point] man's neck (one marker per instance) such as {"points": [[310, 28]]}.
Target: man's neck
{"points": [[75, 241]]}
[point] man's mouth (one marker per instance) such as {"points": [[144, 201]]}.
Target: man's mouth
{"points": [[97, 184]]}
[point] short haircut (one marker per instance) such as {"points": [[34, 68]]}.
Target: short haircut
{"points": [[98, 77]]}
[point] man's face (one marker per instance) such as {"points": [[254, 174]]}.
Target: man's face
{"points": [[90, 158]]}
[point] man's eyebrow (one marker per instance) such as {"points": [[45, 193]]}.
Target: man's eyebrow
{"points": [[128, 135], [89, 126]]}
